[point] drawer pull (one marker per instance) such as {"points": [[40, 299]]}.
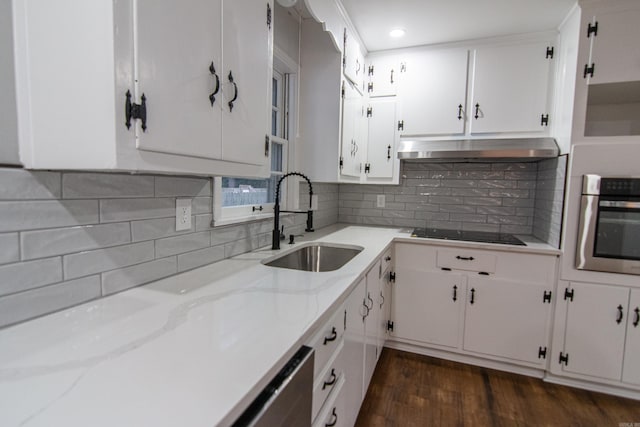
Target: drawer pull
{"points": [[464, 258], [332, 379], [637, 321], [455, 292], [387, 258], [335, 419], [473, 296], [332, 337], [381, 299]]}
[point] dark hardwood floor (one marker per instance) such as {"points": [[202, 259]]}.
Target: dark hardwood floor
{"points": [[412, 390]]}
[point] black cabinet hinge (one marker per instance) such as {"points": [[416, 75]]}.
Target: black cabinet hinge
{"points": [[564, 358], [389, 326], [401, 125], [370, 72], [341, 163], [549, 52], [268, 15], [544, 120], [542, 352], [392, 276], [370, 87], [546, 297], [266, 145], [135, 111], [342, 89], [369, 112], [367, 167], [592, 29], [589, 70], [568, 294]]}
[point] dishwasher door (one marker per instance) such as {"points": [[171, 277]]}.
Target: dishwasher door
{"points": [[286, 400]]}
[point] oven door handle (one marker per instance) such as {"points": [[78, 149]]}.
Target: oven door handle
{"points": [[619, 204]]}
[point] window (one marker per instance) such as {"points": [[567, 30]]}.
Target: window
{"points": [[244, 199]]}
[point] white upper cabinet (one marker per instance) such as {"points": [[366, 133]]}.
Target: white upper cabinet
{"points": [[353, 60], [615, 51], [382, 163], [382, 75], [510, 88], [144, 85], [433, 92], [353, 137]]}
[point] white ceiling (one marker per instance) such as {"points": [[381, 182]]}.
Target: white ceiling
{"points": [[441, 21]]}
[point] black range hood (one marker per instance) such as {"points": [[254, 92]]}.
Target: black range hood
{"points": [[516, 149]]}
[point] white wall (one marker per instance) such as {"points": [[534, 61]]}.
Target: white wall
{"points": [[8, 119]]}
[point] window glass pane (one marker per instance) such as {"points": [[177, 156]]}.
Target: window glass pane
{"points": [[242, 191], [274, 92], [276, 157], [274, 123]]}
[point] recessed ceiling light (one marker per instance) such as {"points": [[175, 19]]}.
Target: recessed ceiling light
{"points": [[397, 33]]}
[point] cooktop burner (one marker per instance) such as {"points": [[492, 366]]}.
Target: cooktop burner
{"points": [[469, 236]]}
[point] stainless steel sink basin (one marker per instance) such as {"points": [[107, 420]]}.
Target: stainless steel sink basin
{"points": [[316, 256]]}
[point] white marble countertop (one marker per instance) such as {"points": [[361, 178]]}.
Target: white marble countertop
{"points": [[190, 350]]}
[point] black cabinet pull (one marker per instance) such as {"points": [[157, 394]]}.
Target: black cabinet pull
{"points": [[464, 258], [388, 152], [391, 76], [335, 419], [473, 296], [332, 379], [212, 97], [235, 94], [477, 111], [381, 299], [332, 337], [460, 112], [370, 299], [387, 258], [366, 307], [620, 315], [637, 321], [455, 293]]}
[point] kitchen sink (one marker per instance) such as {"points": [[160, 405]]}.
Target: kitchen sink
{"points": [[316, 256]]}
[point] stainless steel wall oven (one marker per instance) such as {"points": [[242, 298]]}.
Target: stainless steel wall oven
{"points": [[609, 230]]}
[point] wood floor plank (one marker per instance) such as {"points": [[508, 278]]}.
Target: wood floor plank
{"points": [[410, 390]]}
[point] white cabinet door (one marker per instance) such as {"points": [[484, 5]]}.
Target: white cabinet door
{"points": [[506, 318], [594, 340], [382, 137], [353, 144], [248, 55], [631, 369], [176, 44], [371, 324], [353, 353], [384, 302], [615, 49], [433, 92], [353, 59], [382, 73], [510, 86], [426, 305]]}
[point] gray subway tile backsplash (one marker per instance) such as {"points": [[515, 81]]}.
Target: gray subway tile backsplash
{"points": [[100, 260], [129, 277], [26, 215], [113, 210], [19, 184], [21, 276], [166, 186], [180, 244], [9, 248], [99, 185]]}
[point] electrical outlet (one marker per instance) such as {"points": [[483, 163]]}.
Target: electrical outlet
{"points": [[380, 201], [183, 214]]}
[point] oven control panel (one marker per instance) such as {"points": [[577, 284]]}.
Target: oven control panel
{"points": [[620, 186]]}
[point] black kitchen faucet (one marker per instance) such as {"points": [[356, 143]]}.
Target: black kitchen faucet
{"points": [[276, 234]]}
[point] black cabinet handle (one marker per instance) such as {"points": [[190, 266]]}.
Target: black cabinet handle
{"points": [[637, 321], [381, 299], [235, 94], [388, 152], [387, 258], [332, 379], [391, 76], [473, 296], [366, 307], [460, 112], [477, 111], [335, 419], [455, 292], [370, 299], [464, 258], [212, 97], [332, 337], [620, 315]]}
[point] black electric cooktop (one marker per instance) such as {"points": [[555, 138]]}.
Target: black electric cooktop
{"points": [[469, 236]]}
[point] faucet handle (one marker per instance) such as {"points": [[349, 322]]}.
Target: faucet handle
{"points": [[291, 239]]}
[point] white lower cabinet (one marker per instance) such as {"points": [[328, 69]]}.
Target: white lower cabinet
{"points": [[503, 315], [598, 333]]}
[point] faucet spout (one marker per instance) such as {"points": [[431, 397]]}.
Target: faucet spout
{"points": [[276, 234]]}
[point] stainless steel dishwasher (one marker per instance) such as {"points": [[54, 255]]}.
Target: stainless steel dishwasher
{"points": [[286, 400]]}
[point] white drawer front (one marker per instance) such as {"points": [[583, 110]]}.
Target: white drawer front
{"points": [[326, 340], [333, 414], [464, 259], [327, 380]]}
